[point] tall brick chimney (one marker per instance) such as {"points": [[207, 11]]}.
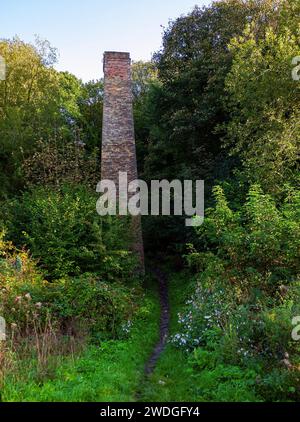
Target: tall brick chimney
{"points": [[118, 142]]}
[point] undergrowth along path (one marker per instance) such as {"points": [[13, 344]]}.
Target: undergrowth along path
{"points": [[164, 321]]}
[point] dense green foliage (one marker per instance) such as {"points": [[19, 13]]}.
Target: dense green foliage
{"points": [[63, 230], [263, 101], [38, 103], [88, 303], [217, 102], [247, 290]]}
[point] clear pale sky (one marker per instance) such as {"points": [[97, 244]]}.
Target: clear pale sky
{"points": [[82, 30]]}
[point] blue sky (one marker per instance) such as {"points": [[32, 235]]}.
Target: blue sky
{"points": [[83, 29]]}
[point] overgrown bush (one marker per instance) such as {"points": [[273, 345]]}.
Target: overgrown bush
{"points": [[58, 161], [83, 304], [246, 289], [219, 382], [62, 229]]}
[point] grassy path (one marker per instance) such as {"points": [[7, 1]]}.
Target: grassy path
{"points": [[171, 379], [178, 376], [164, 321]]}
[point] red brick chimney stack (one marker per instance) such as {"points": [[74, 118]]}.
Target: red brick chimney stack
{"points": [[118, 142]]}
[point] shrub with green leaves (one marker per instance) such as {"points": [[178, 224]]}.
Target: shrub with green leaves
{"points": [[62, 229], [82, 304], [256, 245], [246, 288], [219, 382], [98, 307]]}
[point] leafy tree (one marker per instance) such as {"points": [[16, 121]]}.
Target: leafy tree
{"points": [[56, 162], [192, 66], [144, 77], [143, 74], [264, 101], [36, 102], [90, 105]]}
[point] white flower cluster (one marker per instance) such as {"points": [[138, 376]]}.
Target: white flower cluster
{"points": [[205, 311], [126, 327]]}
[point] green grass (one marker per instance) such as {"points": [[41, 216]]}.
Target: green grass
{"points": [[175, 377], [110, 372], [171, 380], [114, 370]]}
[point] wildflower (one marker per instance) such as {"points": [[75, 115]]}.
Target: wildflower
{"points": [[28, 296]]}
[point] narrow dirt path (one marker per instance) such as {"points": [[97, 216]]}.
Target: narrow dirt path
{"points": [[164, 321]]}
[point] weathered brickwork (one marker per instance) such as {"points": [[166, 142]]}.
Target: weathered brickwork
{"points": [[118, 142]]}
